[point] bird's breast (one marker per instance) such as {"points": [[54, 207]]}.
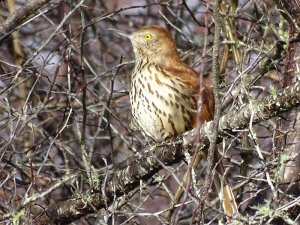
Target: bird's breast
{"points": [[163, 106]]}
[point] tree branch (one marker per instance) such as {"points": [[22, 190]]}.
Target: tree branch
{"points": [[215, 79], [145, 166], [21, 15]]}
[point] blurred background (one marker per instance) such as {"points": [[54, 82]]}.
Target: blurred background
{"points": [[65, 111]]}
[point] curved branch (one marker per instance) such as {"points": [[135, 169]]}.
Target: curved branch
{"points": [[144, 167]]}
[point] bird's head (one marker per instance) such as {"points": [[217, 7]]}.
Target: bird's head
{"points": [[155, 43]]}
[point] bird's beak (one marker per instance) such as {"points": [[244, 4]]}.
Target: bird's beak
{"points": [[120, 33]]}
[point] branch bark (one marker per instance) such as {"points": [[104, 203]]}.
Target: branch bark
{"points": [[145, 166], [288, 131], [22, 14], [215, 79]]}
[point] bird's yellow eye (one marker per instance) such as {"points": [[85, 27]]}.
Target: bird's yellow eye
{"points": [[148, 36]]}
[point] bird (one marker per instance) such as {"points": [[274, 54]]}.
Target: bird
{"points": [[165, 92], [167, 96]]}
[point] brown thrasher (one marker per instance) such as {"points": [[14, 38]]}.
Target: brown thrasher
{"points": [[165, 91]]}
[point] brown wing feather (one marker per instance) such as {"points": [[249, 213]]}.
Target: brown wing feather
{"points": [[189, 75]]}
